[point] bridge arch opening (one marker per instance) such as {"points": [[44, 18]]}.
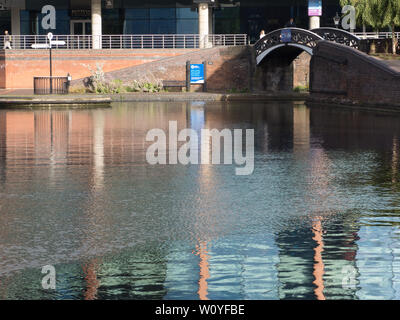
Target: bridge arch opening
{"points": [[284, 48], [283, 67]]}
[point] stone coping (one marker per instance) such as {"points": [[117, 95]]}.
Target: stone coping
{"points": [[204, 96], [53, 100], [88, 99]]}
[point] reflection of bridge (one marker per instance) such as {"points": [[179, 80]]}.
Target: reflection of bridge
{"points": [[305, 40]]}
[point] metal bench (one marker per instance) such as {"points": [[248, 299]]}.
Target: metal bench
{"points": [[174, 84]]}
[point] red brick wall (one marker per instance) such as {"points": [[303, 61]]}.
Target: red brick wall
{"points": [[18, 67], [227, 68], [343, 74], [301, 70]]}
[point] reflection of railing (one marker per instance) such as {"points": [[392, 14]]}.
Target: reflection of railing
{"points": [[127, 41], [50, 85]]}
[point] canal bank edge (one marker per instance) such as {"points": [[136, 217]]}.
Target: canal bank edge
{"points": [[343, 102], [92, 100], [96, 100], [203, 96], [54, 101]]}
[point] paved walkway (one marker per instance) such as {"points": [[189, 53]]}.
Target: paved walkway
{"points": [[394, 64], [16, 92]]}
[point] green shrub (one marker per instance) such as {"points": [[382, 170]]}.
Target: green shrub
{"points": [[301, 89], [77, 90], [145, 86], [97, 83]]}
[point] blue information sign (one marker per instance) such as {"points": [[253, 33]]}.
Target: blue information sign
{"points": [[196, 73], [286, 35], [314, 8]]}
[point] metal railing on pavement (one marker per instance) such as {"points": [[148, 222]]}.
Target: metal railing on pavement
{"points": [[376, 35], [129, 41]]}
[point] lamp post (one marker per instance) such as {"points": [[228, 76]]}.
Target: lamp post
{"points": [[336, 20]]}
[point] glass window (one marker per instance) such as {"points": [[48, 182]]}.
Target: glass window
{"points": [[136, 27], [227, 20], [186, 13], [112, 23], [5, 21], [62, 22], [162, 26], [31, 22], [25, 22], [187, 26], [161, 21], [136, 14], [162, 13]]}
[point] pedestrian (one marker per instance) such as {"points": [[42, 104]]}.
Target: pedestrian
{"points": [[262, 34], [290, 24], [7, 40]]}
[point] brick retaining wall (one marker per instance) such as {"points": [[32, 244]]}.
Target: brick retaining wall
{"points": [[18, 67], [342, 74], [228, 68]]}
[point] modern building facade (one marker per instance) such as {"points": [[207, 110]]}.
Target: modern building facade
{"points": [[96, 17]]}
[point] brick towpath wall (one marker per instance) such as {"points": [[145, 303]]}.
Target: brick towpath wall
{"points": [[18, 67], [227, 68]]}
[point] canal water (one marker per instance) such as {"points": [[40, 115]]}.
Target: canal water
{"points": [[318, 219]]}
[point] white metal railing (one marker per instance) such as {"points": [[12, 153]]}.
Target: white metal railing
{"points": [[130, 41], [376, 35], [227, 39]]}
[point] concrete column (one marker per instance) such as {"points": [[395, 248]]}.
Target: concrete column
{"points": [[15, 26], [96, 24], [314, 22], [203, 24]]}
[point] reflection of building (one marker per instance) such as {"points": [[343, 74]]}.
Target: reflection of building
{"points": [[43, 146], [82, 175], [51, 135]]}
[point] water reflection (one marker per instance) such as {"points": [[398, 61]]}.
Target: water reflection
{"points": [[319, 263], [318, 219]]}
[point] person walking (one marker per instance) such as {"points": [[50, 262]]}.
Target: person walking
{"points": [[7, 40], [262, 34], [290, 24]]}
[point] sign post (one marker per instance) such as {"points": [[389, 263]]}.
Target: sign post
{"points": [[50, 37], [205, 76], [187, 76], [49, 46]]}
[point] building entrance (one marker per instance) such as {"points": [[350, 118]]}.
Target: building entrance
{"points": [[81, 27], [81, 31]]}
